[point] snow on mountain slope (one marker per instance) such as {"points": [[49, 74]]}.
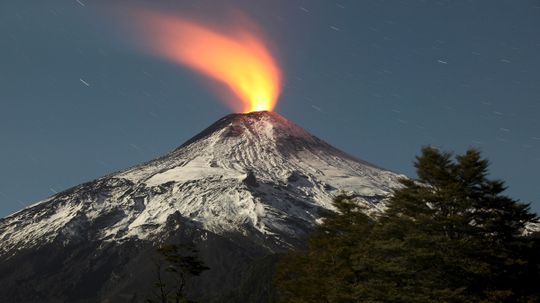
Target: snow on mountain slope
{"points": [[246, 173]]}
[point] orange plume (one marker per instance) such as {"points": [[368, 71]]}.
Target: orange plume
{"points": [[239, 59]]}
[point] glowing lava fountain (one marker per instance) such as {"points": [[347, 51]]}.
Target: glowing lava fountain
{"points": [[237, 57]]}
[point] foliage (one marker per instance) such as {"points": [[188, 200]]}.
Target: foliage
{"points": [[450, 236], [176, 263]]}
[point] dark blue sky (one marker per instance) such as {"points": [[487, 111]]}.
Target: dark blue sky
{"points": [[378, 79]]}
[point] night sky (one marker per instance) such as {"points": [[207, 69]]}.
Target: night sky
{"points": [[377, 79]]}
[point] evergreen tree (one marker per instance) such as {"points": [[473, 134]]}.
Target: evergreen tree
{"points": [[449, 236], [322, 272]]}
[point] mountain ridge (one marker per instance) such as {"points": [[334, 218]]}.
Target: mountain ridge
{"points": [[260, 147], [251, 184]]}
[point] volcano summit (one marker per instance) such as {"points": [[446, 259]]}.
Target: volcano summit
{"points": [[248, 186]]}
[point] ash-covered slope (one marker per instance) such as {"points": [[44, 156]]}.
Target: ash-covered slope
{"points": [[256, 172], [255, 180]]}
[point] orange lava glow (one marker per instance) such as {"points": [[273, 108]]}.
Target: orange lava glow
{"points": [[236, 57]]}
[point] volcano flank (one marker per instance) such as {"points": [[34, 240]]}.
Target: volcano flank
{"points": [[247, 187]]}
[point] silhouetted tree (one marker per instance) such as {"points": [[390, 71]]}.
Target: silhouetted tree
{"points": [[449, 236], [176, 263], [322, 272]]}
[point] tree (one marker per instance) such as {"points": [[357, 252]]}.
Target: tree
{"points": [[317, 273], [176, 263], [449, 236]]}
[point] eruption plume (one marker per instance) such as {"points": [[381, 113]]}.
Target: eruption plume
{"points": [[236, 57]]}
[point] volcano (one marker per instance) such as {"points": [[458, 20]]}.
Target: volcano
{"points": [[247, 187]]}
